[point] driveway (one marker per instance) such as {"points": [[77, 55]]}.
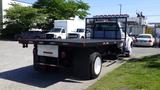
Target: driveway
{"points": [[16, 72]]}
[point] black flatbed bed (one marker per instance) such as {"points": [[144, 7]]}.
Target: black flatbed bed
{"points": [[72, 42]]}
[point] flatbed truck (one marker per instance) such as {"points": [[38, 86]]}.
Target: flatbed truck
{"points": [[83, 56]]}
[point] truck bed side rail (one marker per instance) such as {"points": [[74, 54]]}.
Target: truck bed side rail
{"points": [[70, 42]]}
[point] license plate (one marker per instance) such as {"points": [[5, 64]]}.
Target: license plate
{"points": [[48, 50], [142, 41]]}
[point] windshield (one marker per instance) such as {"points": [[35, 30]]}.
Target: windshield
{"points": [[56, 30], [80, 30], [106, 26], [144, 36]]}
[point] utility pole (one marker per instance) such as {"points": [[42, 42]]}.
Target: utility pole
{"points": [[120, 11]]}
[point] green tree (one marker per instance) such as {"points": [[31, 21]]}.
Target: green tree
{"points": [[11, 30], [28, 17], [63, 9]]}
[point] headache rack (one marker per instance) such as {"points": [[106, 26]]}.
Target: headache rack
{"points": [[91, 22]]}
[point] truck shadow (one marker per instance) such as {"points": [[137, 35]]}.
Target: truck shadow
{"points": [[27, 75]]}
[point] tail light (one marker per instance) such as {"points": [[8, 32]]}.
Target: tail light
{"points": [[150, 41]]}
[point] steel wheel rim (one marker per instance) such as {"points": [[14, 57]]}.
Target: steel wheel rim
{"points": [[97, 65]]}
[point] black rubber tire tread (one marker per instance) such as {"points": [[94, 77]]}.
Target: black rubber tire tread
{"points": [[82, 63], [93, 56], [127, 55], [59, 38]]}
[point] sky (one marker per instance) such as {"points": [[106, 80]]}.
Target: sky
{"points": [[150, 8]]}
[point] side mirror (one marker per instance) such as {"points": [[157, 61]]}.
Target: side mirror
{"points": [[63, 31]]}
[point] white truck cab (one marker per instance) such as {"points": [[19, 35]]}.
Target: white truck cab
{"points": [[78, 34], [113, 30], [81, 33], [128, 41], [57, 32]]}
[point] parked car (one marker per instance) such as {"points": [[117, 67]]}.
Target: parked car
{"points": [[144, 40], [31, 35], [81, 33]]}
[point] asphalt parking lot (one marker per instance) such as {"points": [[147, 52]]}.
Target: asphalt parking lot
{"points": [[16, 72]]}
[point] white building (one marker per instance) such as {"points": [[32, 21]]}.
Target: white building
{"points": [[5, 4], [136, 25]]}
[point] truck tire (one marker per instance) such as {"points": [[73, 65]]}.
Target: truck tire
{"points": [[59, 38], [87, 63], [82, 37], [128, 54], [96, 65]]}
